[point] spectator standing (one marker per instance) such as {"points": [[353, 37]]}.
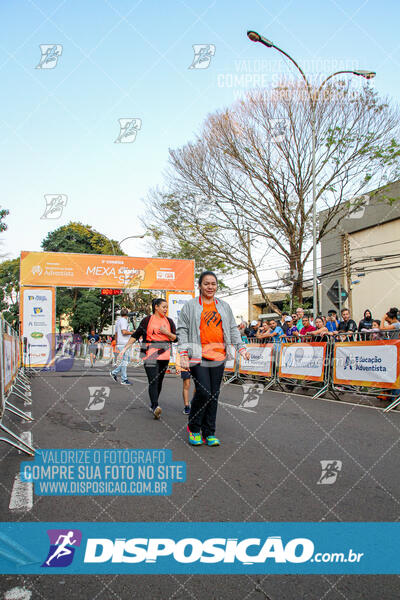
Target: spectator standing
{"points": [[122, 335], [393, 328], [393, 323], [291, 330], [264, 328], [275, 331], [332, 322], [307, 327], [251, 332], [347, 325], [321, 332], [93, 346], [366, 323], [375, 332], [114, 350], [242, 330], [283, 322], [300, 315]]}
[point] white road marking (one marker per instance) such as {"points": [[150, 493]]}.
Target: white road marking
{"points": [[26, 436], [18, 593], [22, 493], [238, 407], [21, 496]]}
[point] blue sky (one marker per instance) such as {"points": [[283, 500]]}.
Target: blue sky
{"points": [[127, 59]]}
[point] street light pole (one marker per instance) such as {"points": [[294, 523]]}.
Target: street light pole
{"points": [[313, 97], [314, 215], [113, 298]]}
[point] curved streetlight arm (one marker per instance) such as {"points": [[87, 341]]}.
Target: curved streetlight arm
{"points": [[328, 78], [296, 65], [127, 238]]}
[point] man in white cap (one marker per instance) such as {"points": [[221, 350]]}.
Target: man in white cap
{"points": [[251, 332], [291, 330]]}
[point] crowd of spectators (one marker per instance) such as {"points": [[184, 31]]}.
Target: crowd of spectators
{"points": [[299, 325]]}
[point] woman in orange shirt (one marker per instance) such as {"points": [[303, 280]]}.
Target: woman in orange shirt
{"points": [[206, 327], [157, 332], [114, 351]]}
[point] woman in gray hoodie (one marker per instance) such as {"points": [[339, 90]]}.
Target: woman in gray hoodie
{"points": [[206, 329]]}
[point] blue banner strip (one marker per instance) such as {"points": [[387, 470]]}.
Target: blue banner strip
{"points": [[197, 548]]}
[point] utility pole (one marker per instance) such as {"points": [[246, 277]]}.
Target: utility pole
{"points": [[347, 266], [249, 279]]}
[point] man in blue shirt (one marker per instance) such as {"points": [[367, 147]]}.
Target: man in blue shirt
{"points": [[275, 332], [291, 330], [332, 322]]}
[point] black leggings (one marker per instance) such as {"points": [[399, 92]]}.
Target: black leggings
{"points": [[155, 375], [207, 378]]}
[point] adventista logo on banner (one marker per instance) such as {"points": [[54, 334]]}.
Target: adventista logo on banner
{"points": [[373, 364]]}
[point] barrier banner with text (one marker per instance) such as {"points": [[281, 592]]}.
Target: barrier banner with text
{"points": [[369, 364], [231, 362], [175, 302], [303, 361], [260, 362], [8, 367], [99, 270], [107, 351], [38, 323]]}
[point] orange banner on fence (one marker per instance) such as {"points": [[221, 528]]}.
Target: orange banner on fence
{"points": [[99, 270], [303, 361], [260, 362], [367, 364]]}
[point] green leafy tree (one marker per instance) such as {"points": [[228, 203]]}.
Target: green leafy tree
{"points": [[3, 214], [85, 309], [9, 291]]}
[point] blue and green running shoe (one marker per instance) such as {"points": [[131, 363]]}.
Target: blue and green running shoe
{"points": [[195, 439], [211, 440]]}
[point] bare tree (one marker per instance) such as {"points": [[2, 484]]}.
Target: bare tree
{"points": [[250, 172]]}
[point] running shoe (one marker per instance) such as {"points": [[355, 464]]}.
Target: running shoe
{"points": [[157, 412], [195, 439], [186, 410], [126, 382], [211, 440], [114, 376]]}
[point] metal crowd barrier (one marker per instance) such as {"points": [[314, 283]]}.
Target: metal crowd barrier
{"points": [[371, 340], [14, 382], [319, 365]]}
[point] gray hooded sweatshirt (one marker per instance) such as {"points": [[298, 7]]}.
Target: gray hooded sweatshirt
{"points": [[188, 330]]}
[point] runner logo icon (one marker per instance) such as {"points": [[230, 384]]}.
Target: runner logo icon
{"points": [[62, 547]]}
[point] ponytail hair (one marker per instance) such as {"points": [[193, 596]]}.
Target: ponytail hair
{"points": [[156, 302], [392, 313]]}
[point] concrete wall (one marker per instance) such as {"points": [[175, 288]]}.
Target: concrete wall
{"points": [[379, 290], [377, 212]]}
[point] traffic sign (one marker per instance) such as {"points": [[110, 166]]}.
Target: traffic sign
{"points": [[337, 294]]}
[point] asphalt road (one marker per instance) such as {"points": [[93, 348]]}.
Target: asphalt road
{"points": [[266, 469]]}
